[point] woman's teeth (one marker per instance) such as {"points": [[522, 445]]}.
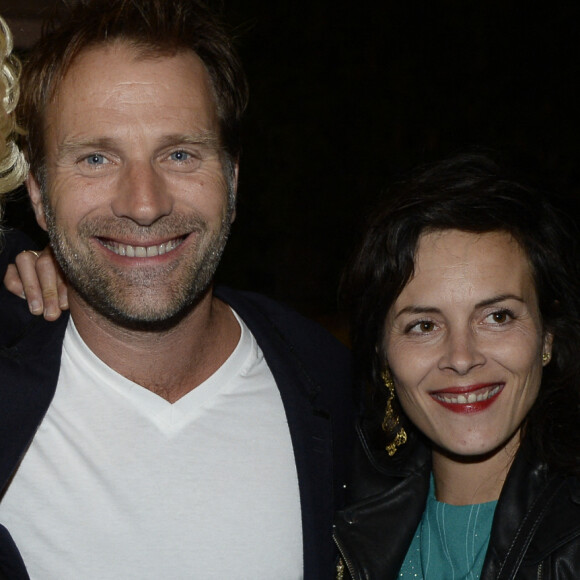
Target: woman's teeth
{"points": [[468, 397]]}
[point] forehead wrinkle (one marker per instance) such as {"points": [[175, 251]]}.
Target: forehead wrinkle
{"points": [[134, 92]]}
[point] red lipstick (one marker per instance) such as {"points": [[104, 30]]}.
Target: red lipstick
{"points": [[467, 400]]}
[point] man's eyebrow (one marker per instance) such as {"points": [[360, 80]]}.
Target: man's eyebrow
{"points": [[74, 145], [208, 140]]}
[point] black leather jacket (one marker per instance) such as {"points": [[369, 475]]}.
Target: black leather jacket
{"points": [[535, 532]]}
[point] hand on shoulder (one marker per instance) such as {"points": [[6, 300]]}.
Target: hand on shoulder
{"points": [[37, 278]]}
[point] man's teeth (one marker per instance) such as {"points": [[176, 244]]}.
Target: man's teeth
{"points": [[142, 251], [468, 398]]}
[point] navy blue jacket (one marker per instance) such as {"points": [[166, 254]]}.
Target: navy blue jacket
{"points": [[311, 369]]}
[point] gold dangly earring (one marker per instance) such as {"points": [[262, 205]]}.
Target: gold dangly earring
{"points": [[391, 420], [546, 357]]}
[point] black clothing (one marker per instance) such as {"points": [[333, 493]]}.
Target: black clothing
{"points": [[535, 532]]}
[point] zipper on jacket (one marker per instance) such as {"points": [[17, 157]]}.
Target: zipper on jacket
{"points": [[340, 570], [540, 571], [343, 563]]}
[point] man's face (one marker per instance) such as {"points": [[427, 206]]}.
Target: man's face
{"points": [[137, 203]]}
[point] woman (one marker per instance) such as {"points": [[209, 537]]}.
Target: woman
{"points": [[45, 288], [13, 171], [12, 165], [465, 312]]}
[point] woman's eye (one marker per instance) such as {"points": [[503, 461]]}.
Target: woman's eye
{"points": [[500, 317], [422, 327]]}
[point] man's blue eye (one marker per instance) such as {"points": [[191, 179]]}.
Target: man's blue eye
{"points": [[95, 159], [179, 156]]}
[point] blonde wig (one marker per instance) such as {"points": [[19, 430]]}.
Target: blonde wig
{"points": [[13, 166]]}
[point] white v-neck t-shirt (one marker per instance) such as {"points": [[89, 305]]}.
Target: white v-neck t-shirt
{"points": [[120, 484]]}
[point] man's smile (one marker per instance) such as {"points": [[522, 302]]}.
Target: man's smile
{"points": [[134, 251]]}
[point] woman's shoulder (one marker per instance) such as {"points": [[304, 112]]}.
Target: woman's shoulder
{"points": [[554, 549], [537, 521], [559, 529]]}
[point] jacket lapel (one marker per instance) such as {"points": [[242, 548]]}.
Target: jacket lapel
{"points": [[29, 369], [309, 424]]}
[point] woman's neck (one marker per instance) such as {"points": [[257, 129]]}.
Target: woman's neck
{"points": [[465, 481]]}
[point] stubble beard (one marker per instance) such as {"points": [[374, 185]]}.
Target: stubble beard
{"points": [[148, 299]]}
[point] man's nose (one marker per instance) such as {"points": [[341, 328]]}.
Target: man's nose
{"points": [[142, 195]]}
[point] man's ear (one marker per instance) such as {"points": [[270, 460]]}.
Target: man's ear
{"points": [[236, 172], [35, 194]]}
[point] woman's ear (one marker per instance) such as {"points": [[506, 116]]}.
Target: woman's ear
{"points": [[547, 348], [35, 194]]}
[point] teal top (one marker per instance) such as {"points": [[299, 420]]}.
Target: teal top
{"points": [[450, 541]]}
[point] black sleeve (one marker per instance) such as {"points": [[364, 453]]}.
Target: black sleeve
{"points": [[12, 242]]}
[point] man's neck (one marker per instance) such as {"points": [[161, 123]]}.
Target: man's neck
{"points": [[171, 362]]}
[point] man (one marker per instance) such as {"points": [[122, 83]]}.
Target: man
{"points": [[164, 429]]}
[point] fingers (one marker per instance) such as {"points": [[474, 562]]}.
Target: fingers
{"points": [[13, 282], [37, 278], [21, 278], [54, 290]]}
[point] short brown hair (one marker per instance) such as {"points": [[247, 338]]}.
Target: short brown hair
{"points": [[152, 27]]}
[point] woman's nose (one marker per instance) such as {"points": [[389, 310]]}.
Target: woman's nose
{"points": [[461, 352]]}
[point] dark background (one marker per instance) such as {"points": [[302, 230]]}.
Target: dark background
{"points": [[346, 97]]}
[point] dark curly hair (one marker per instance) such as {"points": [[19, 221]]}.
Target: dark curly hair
{"points": [[472, 193]]}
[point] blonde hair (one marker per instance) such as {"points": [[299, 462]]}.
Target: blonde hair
{"points": [[13, 166]]}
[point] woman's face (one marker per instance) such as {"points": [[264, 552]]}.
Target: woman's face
{"points": [[464, 341]]}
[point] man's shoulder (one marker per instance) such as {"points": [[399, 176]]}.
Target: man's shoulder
{"points": [[293, 343], [14, 314], [251, 299], [20, 331], [261, 312], [12, 242]]}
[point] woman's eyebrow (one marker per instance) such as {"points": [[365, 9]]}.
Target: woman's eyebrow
{"points": [[498, 298], [418, 309]]}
